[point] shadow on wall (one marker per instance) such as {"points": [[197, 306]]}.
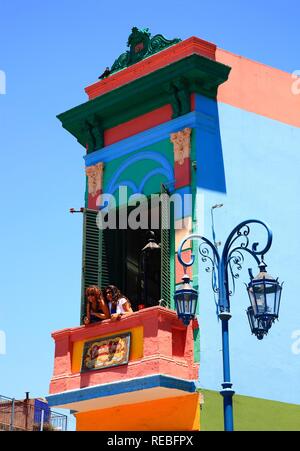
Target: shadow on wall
{"points": [[210, 164]]}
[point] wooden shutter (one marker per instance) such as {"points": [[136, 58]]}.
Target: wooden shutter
{"points": [[167, 252], [94, 262]]}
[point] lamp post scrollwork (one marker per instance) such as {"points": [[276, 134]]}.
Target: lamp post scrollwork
{"points": [[264, 291]]}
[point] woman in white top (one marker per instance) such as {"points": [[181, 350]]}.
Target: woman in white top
{"points": [[118, 304]]}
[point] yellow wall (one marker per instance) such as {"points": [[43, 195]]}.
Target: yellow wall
{"points": [[136, 347], [170, 414]]}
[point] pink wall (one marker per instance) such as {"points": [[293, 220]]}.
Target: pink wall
{"points": [[161, 355], [259, 88]]}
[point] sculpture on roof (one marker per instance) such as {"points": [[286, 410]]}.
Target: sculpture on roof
{"points": [[141, 46]]}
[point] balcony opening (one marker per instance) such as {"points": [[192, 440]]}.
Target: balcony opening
{"points": [[136, 273], [114, 256]]}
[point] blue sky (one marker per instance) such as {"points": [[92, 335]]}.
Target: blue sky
{"points": [[49, 52]]}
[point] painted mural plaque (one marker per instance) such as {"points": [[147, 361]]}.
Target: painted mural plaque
{"points": [[106, 352]]}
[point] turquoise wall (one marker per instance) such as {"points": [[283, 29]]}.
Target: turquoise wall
{"points": [[260, 158]]}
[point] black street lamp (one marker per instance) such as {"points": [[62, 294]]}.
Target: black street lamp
{"points": [[264, 293], [259, 327], [186, 301]]}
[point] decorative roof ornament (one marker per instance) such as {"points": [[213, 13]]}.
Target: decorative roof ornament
{"points": [[141, 46]]}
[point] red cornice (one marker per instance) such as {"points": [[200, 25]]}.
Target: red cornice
{"points": [[177, 52]]}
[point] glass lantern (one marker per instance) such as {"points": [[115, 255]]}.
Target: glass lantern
{"points": [[186, 301], [264, 293], [259, 327]]}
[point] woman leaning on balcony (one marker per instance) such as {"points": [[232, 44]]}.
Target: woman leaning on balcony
{"points": [[96, 308], [118, 304]]}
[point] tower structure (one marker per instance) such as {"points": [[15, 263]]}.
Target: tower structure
{"points": [[143, 127]]}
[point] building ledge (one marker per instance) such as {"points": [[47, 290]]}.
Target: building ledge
{"points": [[123, 392]]}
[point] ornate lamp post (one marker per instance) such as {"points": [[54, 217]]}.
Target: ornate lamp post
{"points": [[264, 292]]}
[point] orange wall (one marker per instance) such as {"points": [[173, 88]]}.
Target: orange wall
{"points": [[170, 414], [259, 88]]}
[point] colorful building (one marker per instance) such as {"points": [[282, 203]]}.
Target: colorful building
{"points": [[29, 415], [189, 120]]}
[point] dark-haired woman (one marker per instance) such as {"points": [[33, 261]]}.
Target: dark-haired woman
{"points": [[118, 304], [96, 308]]}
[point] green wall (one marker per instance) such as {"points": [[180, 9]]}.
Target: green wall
{"points": [[138, 170], [250, 414]]}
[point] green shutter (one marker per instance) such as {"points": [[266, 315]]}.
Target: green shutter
{"points": [[94, 267], [104, 278], [167, 252], [172, 256]]}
